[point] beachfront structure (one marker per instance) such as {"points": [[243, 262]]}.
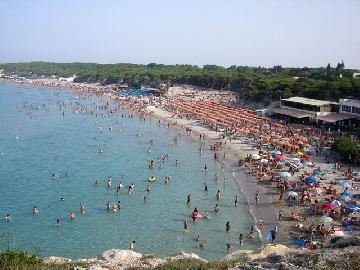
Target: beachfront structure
{"points": [[304, 110]]}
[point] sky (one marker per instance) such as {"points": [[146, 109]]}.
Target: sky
{"points": [[294, 33]]}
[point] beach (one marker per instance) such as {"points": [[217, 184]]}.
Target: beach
{"points": [[296, 220]]}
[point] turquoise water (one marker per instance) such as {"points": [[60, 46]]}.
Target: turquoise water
{"points": [[32, 149]]}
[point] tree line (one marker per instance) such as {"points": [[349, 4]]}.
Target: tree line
{"points": [[251, 83]]}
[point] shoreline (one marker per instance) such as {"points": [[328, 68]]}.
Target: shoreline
{"points": [[247, 184]]}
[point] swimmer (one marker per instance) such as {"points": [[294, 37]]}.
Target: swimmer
{"points": [[145, 199], [176, 162], [129, 190], [97, 183], [72, 216], [57, 222], [236, 201], [216, 176], [222, 167], [148, 188], [7, 217], [216, 208], [205, 168], [62, 199], [54, 176], [207, 216], [35, 211], [205, 187], [202, 245], [67, 173], [198, 238]]}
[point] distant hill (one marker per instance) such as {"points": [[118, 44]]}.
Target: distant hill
{"points": [[251, 83]]}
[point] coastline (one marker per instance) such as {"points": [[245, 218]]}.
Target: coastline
{"points": [[237, 149]]}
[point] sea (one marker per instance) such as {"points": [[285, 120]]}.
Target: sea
{"points": [[47, 131]]}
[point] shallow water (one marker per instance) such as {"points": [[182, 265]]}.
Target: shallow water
{"points": [[32, 149]]}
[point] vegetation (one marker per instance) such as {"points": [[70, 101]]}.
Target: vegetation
{"points": [[347, 148], [252, 83], [20, 260]]}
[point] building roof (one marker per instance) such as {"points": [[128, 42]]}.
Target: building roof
{"points": [[309, 101], [331, 118], [293, 112], [345, 100]]}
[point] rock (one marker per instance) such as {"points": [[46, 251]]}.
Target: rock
{"points": [[56, 260]]}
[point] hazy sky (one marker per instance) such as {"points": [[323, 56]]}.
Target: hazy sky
{"points": [[223, 32]]}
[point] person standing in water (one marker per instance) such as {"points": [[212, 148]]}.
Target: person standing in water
{"points": [[82, 208], [205, 187], [218, 195], [109, 182], [132, 245], [205, 168], [186, 226], [35, 211], [257, 199], [57, 222], [72, 216], [189, 199], [227, 227], [241, 239], [236, 201], [228, 248]]}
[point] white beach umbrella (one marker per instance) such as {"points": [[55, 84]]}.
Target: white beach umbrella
{"points": [[338, 233], [255, 156], [285, 174], [292, 193], [264, 161], [326, 219], [295, 159], [310, 164]]}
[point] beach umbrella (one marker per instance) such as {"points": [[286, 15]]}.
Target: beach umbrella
{"points": [[279, 158], [346, 194], [285, 174], [345, 184], [351, 208], [338, 233], [308, 163], [299, 153], [295, 159], [307, 156], [255, 156], [318, 190], [357, 196], [326, 219], [328, 206], [304, 150], [264, 161], [311, 180], [292, 193], [355, 203], [336, 203]]}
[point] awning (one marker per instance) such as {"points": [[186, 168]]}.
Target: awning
{"points": [[292, 112], [331, 118]]}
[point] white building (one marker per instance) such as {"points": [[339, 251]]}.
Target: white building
{"points": [[350, 107]]}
